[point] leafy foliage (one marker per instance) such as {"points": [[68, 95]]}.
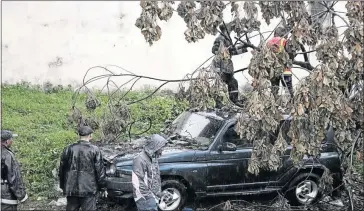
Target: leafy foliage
{"points": [[322, 99], [194, 31], [249, 22], [147, 22], [201, 91]]}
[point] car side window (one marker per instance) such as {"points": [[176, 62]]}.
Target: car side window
{"points": [[233, 137]]}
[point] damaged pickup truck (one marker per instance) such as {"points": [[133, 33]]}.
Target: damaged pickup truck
{"points": [[215, 164]]}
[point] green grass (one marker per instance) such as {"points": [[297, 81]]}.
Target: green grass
{"points": [[40, 119]]}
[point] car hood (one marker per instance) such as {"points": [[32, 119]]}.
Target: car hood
{"points": [[168, 156]]}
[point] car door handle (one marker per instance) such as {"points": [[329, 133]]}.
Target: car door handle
{"points": [[200, 158]]}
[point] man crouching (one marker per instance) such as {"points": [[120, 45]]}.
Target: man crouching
{"points": [[146, 175]]}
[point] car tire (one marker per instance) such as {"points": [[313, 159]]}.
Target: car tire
{"points": [[304, 187], [180, 189]]}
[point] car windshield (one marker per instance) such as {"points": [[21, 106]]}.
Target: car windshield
{"points": [[200, 127]]}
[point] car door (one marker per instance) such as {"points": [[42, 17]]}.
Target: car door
{"points": [[268, 177], [227, 170], [272, 177]]}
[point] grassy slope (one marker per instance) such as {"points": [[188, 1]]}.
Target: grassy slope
{"points": [[40, 119]]}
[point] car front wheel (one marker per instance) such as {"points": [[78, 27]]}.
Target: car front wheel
{"points": [[304, 189], [177, 198]]}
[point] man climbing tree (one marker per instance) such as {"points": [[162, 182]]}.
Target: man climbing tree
{"points": [[223, 48], [278, 44]]}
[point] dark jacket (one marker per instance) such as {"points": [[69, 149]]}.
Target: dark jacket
{"points": [[81, 170], [218, 63], [12, 185], [146, 175]]}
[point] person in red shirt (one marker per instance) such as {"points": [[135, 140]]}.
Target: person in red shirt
{"points": [[278, 44]]}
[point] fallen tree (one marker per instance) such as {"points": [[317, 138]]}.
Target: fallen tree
{"points": [[329, 96]]}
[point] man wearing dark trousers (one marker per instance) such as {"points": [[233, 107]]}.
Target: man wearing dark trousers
{"points": [[225, 68], [12, 186], [81, 172]]}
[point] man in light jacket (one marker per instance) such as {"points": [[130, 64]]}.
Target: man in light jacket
{"points": [[146, 175]]}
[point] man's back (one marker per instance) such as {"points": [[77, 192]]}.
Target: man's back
{"points": [[81, 170]]}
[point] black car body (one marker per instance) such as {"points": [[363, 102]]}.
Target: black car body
{"points": [[219, 167]]}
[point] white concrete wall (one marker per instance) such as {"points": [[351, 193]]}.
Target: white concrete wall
{"points": [[86, 34]]}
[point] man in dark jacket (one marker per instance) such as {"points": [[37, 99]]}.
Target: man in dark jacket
{"points": [[224, 66], [82, 172], [146, 175], [13, 189]]}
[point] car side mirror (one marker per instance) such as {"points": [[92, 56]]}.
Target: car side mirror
{"points": [[227, 146]]}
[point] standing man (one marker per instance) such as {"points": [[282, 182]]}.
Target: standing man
{"points": [[224, 66], [146, 175], [278, 45], [82, 172], [12, 185]]}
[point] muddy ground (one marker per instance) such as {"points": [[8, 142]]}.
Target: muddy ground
{"points": [[266, 202]]}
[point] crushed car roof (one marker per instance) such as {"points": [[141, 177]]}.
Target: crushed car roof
{"points": [[231, 116], [210, 115]]}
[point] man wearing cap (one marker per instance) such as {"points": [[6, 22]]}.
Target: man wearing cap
{"points": [[82, 172], [12, 186]]}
